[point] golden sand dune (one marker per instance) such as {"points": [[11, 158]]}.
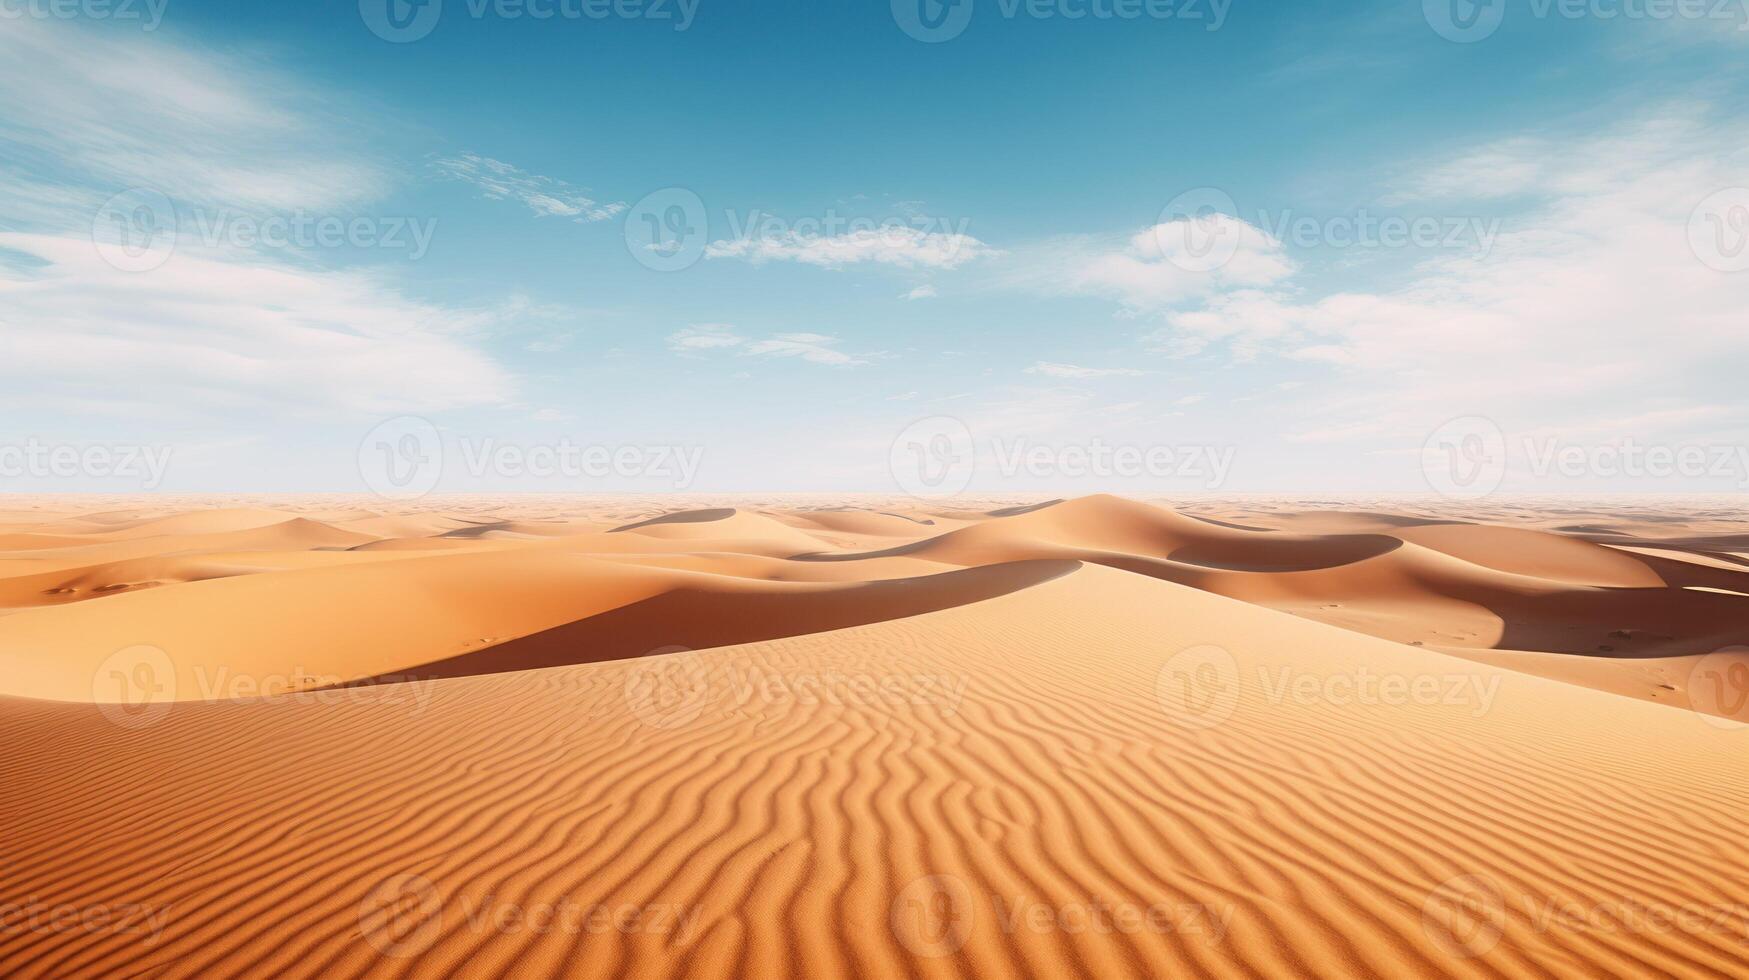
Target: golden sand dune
{"points": [[1092, 738]]}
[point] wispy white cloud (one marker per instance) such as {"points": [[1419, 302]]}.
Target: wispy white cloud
{"points": [[209, 325], [209, 332], [704, 336], [1594, 302], [1075, 371], [899, 245], [921, 292], [545, 196], [85, 114], [1169, 264], [812, 347]]}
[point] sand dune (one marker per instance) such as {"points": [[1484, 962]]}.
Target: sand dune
{"points": [[1095, 737]]}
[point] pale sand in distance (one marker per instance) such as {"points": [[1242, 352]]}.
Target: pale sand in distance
{"points": [[764, 737]]}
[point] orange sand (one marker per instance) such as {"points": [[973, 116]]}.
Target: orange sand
{"points": [[1099, 737]]}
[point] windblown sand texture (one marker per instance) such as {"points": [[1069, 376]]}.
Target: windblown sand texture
{"points": [[544, 737]]}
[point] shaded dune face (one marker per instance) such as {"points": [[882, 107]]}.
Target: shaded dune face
{"points": [[429, 594], [723, 614]]}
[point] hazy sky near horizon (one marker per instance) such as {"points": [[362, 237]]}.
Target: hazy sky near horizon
{"points": [[1161, 246]]}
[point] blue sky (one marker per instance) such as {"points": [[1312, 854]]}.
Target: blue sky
{"points": [[1003, 229]]}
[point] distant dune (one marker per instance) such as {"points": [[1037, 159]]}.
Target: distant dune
{"points": [[804, 737]]}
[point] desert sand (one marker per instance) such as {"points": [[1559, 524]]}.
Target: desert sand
{"points": [[799, 736]]}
